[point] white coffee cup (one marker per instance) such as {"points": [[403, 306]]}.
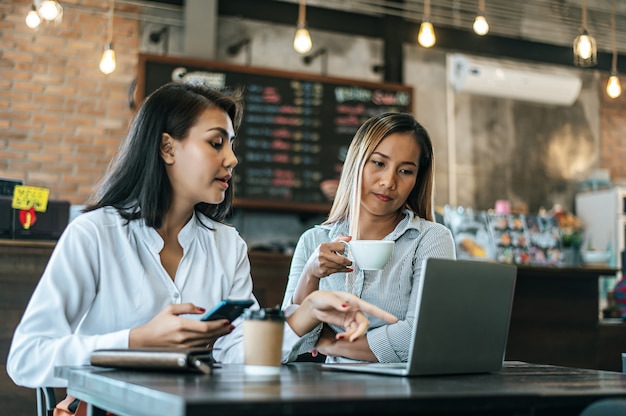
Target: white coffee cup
{"points": [[369, 254]]}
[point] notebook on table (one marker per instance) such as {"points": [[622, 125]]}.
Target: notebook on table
{"points": [[463, 311], [155, 359]]}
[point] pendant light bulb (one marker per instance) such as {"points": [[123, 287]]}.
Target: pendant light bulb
{"points": [[583, 48], [32, 18], [481, 27], [426, 36], [302, 42], [585, 51], [613, 87], [107, 63], [49, 10]]}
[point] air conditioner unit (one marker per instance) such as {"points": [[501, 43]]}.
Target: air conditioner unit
{"points": [[507, 79]]}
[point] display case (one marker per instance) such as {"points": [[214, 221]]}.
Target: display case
{"points": [[603, 213]]}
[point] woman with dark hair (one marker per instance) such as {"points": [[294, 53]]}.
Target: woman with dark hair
{"points": [[138, 178], [385, 193], [150, 254]]}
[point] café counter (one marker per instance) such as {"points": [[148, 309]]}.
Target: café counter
{"points": [[555, 317]]}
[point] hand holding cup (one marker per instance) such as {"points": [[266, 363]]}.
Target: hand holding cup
{"points": [[369, 254]]}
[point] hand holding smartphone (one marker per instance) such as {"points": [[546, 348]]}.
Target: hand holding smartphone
{"points": [[227, 309]]}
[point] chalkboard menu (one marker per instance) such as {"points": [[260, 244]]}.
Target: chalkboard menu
{"points": [[296, 127]]}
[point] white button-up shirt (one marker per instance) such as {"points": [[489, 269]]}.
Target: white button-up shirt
{"points": [[105, 277]]}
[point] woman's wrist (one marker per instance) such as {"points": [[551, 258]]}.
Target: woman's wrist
{"points": [[134, 338], [306, 286], [302, 320]]}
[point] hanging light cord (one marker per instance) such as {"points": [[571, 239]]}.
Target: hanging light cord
{"points": [[301, 13], [585, 15], [427, 9], [481, 6], [614, 63], [110, 29]]}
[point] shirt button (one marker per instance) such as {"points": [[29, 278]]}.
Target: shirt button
{"points": [[176, 295]]}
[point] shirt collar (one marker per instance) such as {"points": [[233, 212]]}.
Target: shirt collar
{"points": [[410, 225], [186, 236]]}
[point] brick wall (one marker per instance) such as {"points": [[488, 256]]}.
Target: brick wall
{"points": [[613, 132], [61, 119]]}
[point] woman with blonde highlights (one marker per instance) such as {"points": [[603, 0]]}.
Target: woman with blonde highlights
{"points": [[385, 193]]}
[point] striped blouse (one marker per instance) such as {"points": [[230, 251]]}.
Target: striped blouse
{"points": [[393, 289]]}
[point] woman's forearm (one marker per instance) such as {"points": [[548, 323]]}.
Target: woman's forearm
{"points": [[306, 285], [302, 320], [357, 350]]}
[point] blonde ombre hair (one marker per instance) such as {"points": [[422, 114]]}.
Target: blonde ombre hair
{"points": [[347, 203]]}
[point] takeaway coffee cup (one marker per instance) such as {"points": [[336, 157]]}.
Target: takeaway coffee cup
{"points": [[263, 341], [369, 254]]}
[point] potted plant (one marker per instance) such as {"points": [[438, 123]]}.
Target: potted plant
{"points": [[572, 236]]}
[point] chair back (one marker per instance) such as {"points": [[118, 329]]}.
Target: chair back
{"points": [[46, 401], [605, 407]]}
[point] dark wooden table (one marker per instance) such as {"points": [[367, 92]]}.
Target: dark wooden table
{"points": [[306, 389]]}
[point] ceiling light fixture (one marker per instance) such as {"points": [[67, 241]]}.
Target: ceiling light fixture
{"points": [[613, 87], [50, 10], [426, 36], [481, 27], [235, 48], [32, 18], [161, 35], [585, 51], [107, 62], [302, 42], [323, 52]]}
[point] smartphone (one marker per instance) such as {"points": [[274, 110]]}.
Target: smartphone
{"points": [[228, 309]]}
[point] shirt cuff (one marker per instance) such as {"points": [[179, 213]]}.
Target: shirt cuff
{"points": [[289, 310], [290, 338], [378, 340], [119, 339]]}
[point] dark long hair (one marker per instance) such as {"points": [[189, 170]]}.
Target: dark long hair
{"points": [[136, 183]]}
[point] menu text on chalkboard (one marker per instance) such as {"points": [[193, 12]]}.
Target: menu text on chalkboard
{"points": [[296, 127]]}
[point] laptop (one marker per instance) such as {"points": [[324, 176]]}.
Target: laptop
{"points": [[463, 311]]}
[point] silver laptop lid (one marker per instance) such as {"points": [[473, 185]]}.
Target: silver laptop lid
{"points": [[462, 319], [463, 310]]}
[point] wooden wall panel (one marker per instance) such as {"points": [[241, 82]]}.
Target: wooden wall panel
{"points": [[21, 265]]}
